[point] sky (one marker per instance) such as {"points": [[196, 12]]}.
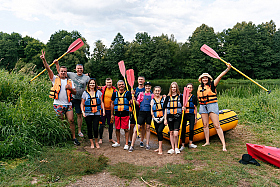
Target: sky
{"points": [[103, 19]]}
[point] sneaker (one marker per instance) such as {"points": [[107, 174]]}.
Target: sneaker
{"points": [[192, 146], [129, 143], [170, 151], [116, 144], [141, 144], [130, 149], [76, 142], [182, 148], [148, 147], [81, 134], [177, 151], [126, 147]]}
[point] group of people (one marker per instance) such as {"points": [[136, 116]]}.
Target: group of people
{"points": [[131, 111]]}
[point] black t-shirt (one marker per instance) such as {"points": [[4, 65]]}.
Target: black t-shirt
{"points": [[122, 113], [194, 100]]}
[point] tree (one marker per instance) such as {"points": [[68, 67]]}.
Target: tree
{"points": [[58, 44]]}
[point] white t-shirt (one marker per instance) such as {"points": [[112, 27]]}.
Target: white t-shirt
{"points": [[62, 97], [85, 97]]}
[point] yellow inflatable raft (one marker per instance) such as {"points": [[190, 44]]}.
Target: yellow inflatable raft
{"points": [[228, 120]]}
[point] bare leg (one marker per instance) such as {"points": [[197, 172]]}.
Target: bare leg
{"points": [[143, 130], [134, 136], [126, 133], [160, 147], [118, 135], [148, 132], [172, 139], [176, 139], [70, 117], [91, 143], [205, 121], [215, 119], [80, 122], [96, 143], [131, 131]]}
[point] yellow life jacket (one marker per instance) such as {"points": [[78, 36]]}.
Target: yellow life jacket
{"points": [[206, 96], [54, 93]]}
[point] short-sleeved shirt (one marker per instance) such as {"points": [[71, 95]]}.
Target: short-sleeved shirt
{"points": [[122, 113], [85, 97], [80, 83], [62, 97]]}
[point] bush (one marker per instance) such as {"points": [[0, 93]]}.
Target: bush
{"points": [[27, 119]]}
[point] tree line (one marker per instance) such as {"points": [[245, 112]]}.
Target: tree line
{"points": [[253, 49]]}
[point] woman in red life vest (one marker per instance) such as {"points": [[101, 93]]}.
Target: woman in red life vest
{"points": [[92, 107], [207, 97]]}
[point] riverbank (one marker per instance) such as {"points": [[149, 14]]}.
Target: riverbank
{"points": [[63, 164]]}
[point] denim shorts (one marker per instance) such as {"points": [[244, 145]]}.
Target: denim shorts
{"points": [[206, 109]]}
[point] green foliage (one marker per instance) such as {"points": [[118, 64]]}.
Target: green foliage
{"points": [[27, 120]]}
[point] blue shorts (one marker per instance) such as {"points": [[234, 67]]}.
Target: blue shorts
{"points": [[206, 109], [60, 110]]}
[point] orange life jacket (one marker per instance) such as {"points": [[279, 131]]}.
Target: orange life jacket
{"points": [[190, 106], [206, 96], [54, 93]]}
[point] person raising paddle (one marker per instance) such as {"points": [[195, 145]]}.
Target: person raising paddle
{"points": [[207, 97], [61, 92]]}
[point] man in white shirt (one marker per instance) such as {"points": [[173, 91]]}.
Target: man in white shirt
{"points": [[61, 92]]}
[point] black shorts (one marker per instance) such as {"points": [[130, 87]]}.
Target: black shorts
{"points": [[174, 121], [144, 117], [76, 103]]}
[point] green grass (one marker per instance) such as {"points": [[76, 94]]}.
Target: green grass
{"points": [[54, 166], [29, 127]]}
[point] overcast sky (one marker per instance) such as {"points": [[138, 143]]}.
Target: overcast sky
{"points": [[103, 19]]}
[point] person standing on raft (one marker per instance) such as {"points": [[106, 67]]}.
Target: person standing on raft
{"points": [[207, 97], [157, 112], [61, 92], [144, 101], [92, 108], [173, 114], [191, 116]]}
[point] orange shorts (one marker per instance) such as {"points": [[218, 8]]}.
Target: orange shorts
{"points": [[121, 122]]}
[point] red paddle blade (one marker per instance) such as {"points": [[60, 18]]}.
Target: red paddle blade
{"points": [[130, 77], [75, 45], [209, 51], [122, 68], [186, 94]]}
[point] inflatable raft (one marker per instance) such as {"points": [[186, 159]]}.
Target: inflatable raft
{"points": [[264, 153], [228, 120]]}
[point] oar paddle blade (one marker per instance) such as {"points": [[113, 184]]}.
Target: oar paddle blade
{"points": [[122, 68], [209, 51], [186, 94], [75, 45], [130, 77]]}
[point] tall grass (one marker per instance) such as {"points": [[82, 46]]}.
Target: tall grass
{"points": [[27, 119]]}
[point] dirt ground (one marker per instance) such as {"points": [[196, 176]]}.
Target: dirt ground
{"points": [[139, 156]]}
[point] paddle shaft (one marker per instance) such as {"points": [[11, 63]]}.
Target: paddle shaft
{"points": [[181, 128], [246, 76], [134, 114], [69, 50]]}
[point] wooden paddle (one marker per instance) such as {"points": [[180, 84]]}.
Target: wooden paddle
{"points": [[122, 70], [130, 80], [210, 52], [186, 94], [73, 47]]}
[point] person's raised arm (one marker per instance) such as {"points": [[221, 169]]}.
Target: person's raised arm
{"points": [[50, 72], [56, 65], [217, 80]]}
